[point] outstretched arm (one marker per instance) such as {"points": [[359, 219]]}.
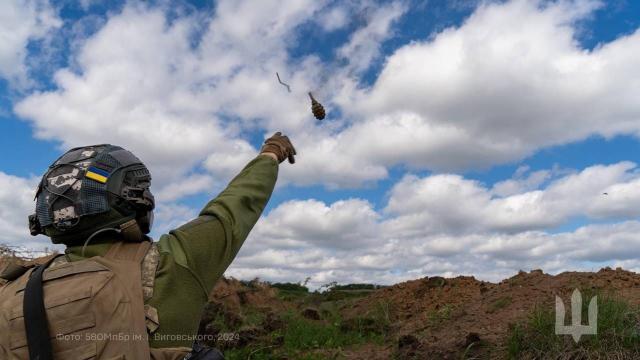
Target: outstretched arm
{"points": [[208, 244]]}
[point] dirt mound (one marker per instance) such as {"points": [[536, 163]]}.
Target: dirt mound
{"points": [[442, 318], [235, 294], [231, 304]]}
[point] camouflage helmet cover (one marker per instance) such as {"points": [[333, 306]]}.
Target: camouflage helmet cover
{"points": [[91, 188]]}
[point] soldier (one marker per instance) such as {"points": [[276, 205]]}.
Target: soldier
{"points": [[116, 294]]}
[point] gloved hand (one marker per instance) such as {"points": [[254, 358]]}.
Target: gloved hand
{"points": [[280, 146]]}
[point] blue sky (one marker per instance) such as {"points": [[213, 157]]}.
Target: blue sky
{"points": [[517, 141]]}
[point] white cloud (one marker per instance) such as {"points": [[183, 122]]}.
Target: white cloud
{"points": [[169, 216], [334, 19], [21, 22], [512, 79], [450, 203], [16, 204], [190, 185], [490, 257], [140, 83], [364, 45], [521, 182], [130, 93], [509, 81], [449, 225], [225, 164], [344, 224]]}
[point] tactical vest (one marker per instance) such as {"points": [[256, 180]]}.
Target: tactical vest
{"points": [[94, 308]]}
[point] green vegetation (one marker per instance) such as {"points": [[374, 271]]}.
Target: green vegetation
{"points": [[291, 291], [336, 295], [336, 292], [290, 287], [302, 338], [618, 333], [332, 291], [436, 317], [382, 315], [499, 304], [289, 334], [300, 333], [253, 317], [358, 287]]}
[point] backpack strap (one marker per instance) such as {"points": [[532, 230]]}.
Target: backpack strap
{"points": [[128, 251], [35, 317], [14, 270]]}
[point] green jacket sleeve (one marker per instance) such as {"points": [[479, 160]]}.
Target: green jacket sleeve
{"points": [[207, 245]]}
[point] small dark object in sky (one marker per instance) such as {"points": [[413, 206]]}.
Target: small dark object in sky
{"points": [[316, 108], [605, 193], [280, 81]]}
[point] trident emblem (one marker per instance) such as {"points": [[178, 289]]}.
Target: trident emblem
{"points": [[576, 329]]}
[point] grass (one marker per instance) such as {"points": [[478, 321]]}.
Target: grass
{"points": [[382, 314], [253, 317], [290, 287], [618, 334], [499, 304], [301, 337], [305, 334], [333, 291], [292, 295], [436, 317], [336, 295]]}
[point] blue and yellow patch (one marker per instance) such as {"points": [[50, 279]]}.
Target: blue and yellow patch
{"points": [[97, 174]]}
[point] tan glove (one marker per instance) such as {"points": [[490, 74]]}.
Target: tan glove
{"points": [[280, 146]]}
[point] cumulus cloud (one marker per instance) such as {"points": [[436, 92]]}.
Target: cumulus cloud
{"points": [[190, 185], [490, 257], [16, 204], [141, 82], [129, 93], [364, 45], [450, 203], [169, 216], [521, 181], [21, 22], [303, 223], [512, 79], [334, 19], [446, 224]]}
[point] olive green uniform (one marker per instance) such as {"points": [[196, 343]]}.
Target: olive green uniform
{"points": [[194, 256]]}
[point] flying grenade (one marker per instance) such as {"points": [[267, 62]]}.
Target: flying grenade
{"points": [[316, 108]]}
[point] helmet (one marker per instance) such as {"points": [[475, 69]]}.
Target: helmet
{"points": [[92, 189]]}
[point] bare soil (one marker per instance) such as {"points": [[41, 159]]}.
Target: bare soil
{"points": [[438, 318], [446, 317]]}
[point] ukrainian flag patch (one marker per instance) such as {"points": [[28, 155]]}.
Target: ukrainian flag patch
{"points": [[97, 174]]}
